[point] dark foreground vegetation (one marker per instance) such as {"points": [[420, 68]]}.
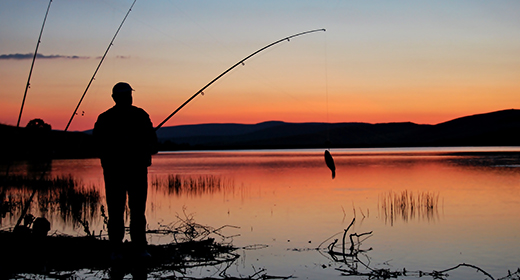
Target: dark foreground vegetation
{"points": [[57, 256], [61, 257]]}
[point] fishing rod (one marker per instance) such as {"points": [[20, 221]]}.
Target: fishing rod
{"points": [[99, 65], [32, 65], [241, 62], [26, 208]]}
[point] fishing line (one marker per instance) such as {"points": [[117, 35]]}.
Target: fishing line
{"points": [[99, 65], [32, 65], [327, 92], [329, 160]]}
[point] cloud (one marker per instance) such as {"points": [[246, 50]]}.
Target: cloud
{"points": [[118, 57], [20, 56]]}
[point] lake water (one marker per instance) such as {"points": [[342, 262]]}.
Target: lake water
{"points": [[427, 208]]}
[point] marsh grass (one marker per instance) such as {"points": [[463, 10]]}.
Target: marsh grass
{"points": [[194, 185], [74, 203], [408, 205], [62, 196], [36, 182]]}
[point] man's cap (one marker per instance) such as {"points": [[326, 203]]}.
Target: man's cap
{"points": [[122, 87]]}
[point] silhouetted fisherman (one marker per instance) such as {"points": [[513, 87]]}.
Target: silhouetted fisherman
{"points": [[125, 140]]}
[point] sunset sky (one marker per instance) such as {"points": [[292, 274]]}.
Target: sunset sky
{"points": [[379, 61]]}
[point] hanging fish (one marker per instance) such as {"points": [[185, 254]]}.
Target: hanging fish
{"points": [[330, 163]]}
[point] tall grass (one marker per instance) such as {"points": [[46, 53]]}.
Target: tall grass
{"points": [[71, 202], [60, 196], [195, 185], [407, 206]]}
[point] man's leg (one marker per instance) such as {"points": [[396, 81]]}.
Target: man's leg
{"points": [[137, 194], [116, 200]]}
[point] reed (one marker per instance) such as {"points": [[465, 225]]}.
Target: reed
{"points": [[407, 206], [195, 185], [17, 181], [60, 196]]}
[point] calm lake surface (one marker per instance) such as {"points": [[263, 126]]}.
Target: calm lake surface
{"points": [[462, 206]]}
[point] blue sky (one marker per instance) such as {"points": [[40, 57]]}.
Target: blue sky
{"points": [[379, 61]]}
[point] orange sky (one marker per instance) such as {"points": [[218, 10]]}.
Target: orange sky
{"points": [[421, 62]]}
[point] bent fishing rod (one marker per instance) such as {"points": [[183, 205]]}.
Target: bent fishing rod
{"points": [[99, 65], [241, 62], [32, 65]]}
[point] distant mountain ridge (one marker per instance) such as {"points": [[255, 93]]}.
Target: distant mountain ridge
{"points": [[495, 128], [500, 128]]}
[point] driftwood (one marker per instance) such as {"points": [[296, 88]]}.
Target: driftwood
{"points": [[60, 256], [350, 257]]}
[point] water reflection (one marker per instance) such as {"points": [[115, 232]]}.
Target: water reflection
{"points": [[75, 204], [459, 208], [407, 206]]}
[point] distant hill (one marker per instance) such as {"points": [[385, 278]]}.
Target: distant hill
{"points": [[495, 128], [501, 128]]}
